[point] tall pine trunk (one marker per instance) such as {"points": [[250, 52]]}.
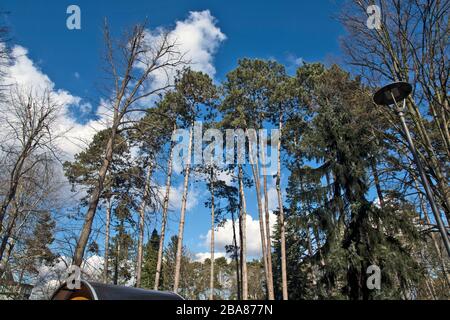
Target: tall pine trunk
{"points": [[164, 219], [183, 213], [213, 224], [107, 232], [140, 253], [267, 222], [255, 170], [243, 233], [236, 256], [281, 216]]}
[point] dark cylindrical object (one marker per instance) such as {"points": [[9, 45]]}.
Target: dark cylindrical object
{"points": [[100, 291]]}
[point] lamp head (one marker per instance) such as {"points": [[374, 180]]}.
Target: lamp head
{"points": [[392, 93]]}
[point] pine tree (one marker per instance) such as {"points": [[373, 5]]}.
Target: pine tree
{"points": [[194, 91], [352, 233], [150, 260]]}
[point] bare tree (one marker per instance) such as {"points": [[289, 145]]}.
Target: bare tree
{"points": [[134, 64], [28, 138]]}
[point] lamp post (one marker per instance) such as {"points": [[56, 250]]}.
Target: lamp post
{"points": [[390, 95]]}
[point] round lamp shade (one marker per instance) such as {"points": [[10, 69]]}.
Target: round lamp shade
{"points": [[392, 93]]}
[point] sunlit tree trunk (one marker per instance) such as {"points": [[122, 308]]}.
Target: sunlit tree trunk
{"points": [[140, 253], [255, 170], [164, 219], [236, 257], [281, 217], [107, 232], [213, 223], [183, 212], [243, 233], [267, 223]]}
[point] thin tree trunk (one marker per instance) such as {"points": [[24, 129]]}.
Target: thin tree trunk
{"points": [[14, 181], [107, 231], [213, 224], [255, 170], [236, 257], [4, 262], [281, 217], [267, 223], [183, 213], [140, 253], [8, 231], [116, 265], [164, 219], [243, 234]]}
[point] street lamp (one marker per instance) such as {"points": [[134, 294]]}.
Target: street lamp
{"points": [[390, 95]]}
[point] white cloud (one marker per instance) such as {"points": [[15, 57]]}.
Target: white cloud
{"points": [[197, 39], [200, 38], [224, 235], [202, 256]]}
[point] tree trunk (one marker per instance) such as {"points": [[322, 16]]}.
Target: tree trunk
{"points": [[255, 170], [164, 219], [140, 253], [281, 218], [267, 223], [8, 231], [116, 265], [213, 224], [183, 213], [243, 234], [236, 257], [107, 231], [4, 262], [93, 203], [14, 182]]}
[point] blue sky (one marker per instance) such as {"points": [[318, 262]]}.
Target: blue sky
{"points": [[287, 31]]}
